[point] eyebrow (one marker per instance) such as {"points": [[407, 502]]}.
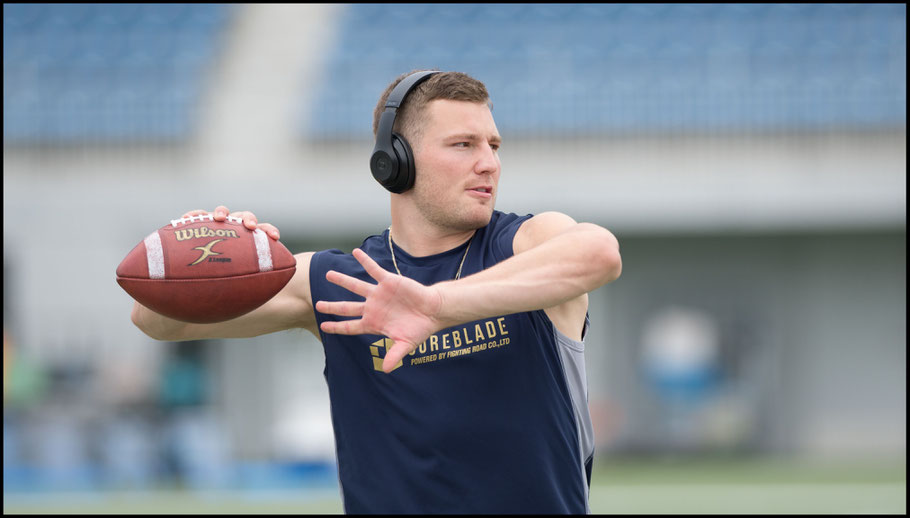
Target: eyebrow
{"points": [[472, 136]]}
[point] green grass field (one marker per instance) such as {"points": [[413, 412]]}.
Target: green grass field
{"points": [[618, 486]]}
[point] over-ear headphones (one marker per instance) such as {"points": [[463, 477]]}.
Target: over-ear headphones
{"points": [[392, 163]]}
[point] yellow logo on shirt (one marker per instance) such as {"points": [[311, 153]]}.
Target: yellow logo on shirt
{"points": [[469, 339], [385, 343]]}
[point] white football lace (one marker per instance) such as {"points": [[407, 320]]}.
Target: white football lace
{"points": [[203, 217]]}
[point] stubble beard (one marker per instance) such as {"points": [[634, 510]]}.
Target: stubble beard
{"points": [[456, 218]]}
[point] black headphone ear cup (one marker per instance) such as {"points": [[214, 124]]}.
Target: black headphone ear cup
{"points": [[403, 179], [392, 161], [384, 166]]}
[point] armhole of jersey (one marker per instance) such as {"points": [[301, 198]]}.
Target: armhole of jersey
{"points": [[508, 234], [316, 289], [571, 356], [571, 343]]}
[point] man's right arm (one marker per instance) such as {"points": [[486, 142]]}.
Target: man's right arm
{"points": [[291, 308]]}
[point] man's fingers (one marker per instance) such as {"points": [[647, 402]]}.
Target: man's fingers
{"points": [[349, 283], [270, 229], [221, 213], [197, 212], [249, 219], [345, 327], [375, 271], [342, 309], [394, 355]]}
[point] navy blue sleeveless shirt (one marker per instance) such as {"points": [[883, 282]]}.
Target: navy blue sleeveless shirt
{"points": [[484, 417]]}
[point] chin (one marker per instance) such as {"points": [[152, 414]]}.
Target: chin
{"points": [[480, 219], [457, 216]]}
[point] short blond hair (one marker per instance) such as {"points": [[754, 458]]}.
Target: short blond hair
{"points": [[453, 86]]}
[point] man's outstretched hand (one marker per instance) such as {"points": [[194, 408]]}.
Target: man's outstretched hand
{"points": [[396, 307]]}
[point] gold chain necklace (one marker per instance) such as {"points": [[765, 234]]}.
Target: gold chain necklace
{"points": [[457, 274]]}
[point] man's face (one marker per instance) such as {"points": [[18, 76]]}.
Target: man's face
{"points": [[457, 161]]}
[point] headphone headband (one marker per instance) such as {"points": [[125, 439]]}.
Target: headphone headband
{"points": [[392, 162], [403, 88]]}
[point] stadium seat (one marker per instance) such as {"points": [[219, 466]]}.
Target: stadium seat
{"points": [[105, 72], [631, 67]]}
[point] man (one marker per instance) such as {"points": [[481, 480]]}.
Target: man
{"points": [[453, 340]]}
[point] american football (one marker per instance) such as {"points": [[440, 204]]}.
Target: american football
{"points": [[200, 270]]}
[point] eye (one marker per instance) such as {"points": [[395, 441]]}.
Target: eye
{"points": [[462, 144]]}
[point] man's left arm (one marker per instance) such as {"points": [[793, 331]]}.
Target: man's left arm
{"points": [[556, 260]]}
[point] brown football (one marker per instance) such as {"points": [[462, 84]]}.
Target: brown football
{"points": [[200, 270]]}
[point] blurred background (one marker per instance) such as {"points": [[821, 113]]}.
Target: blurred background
{"points": [[750, 158]]}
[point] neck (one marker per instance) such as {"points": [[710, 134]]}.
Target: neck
{"points": [[419, 238]]}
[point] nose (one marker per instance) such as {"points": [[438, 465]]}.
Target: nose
{"points": [[488, 161]]}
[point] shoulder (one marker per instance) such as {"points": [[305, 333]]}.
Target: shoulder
{"points": [[539, 228], [375, 246], [499, 234], [333, 259]]}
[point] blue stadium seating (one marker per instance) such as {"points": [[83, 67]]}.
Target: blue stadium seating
{"points": [[75, 72], [105, 72], [630, 68]]}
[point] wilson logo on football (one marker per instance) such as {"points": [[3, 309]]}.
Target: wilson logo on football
{"points": [[199, 233], [208, 253]]}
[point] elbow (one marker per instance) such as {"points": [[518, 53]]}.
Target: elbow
{"points": [[144, 319], [139, 320], [136, 317], [606, 259], [613, 265]]}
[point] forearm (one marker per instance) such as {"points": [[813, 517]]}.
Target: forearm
{"points": [[278, 314], [290, 308], [572, 263]]}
